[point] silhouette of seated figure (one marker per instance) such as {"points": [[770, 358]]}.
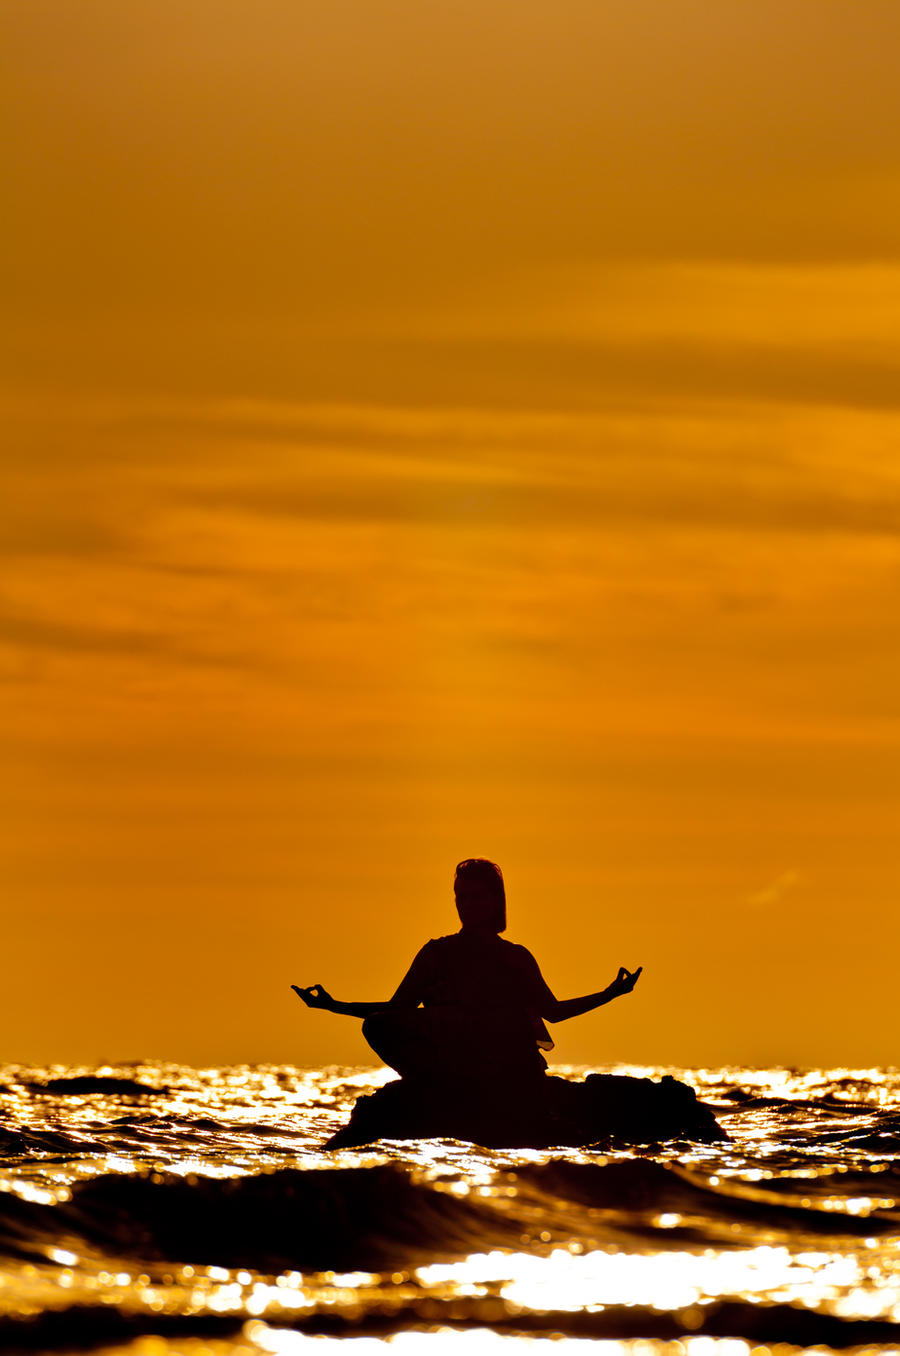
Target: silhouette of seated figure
{"points": [[484, 1001]]}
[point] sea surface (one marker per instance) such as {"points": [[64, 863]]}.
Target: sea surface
{"points": [[160, 1210]]}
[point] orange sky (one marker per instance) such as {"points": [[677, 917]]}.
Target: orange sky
{"points": [[438, 430]]}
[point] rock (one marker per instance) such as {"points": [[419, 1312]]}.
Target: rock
{"points": [[81, 1084], [540, 1113]]}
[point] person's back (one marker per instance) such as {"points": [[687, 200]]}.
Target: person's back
{"points": [[480, 970], [480, 1018]]}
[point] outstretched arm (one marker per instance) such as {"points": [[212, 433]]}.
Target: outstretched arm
{"points": [[409, 994], [559, 1010], [317, 997]]}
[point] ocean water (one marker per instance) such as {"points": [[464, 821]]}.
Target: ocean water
{"points": [[161, 1210]]}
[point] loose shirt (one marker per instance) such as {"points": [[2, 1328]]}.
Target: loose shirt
{"points": [[474, 970]]}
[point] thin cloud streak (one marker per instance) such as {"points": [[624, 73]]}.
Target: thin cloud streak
{"points": [[29, 633], [606, 501]]}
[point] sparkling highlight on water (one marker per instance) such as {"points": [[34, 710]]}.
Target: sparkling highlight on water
{"points": [[193, 1213]]}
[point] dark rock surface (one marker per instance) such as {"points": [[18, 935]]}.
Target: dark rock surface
{"points": [[541, 1113], [81, 1084]]}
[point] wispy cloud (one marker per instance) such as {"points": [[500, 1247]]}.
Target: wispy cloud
{"points": [[430, 556], [775, 891]]}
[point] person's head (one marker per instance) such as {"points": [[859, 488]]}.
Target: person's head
{"points": [[480, 896]]}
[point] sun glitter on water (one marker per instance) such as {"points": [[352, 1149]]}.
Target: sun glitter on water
{"points": [[165, 1195]]}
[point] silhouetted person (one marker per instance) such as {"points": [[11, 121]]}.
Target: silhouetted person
{"points": [[484, 999]]}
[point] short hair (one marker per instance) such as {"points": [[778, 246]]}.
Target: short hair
{"points": [[479, 876]]}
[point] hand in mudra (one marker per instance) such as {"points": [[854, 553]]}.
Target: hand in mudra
{"points": [[625, 980], [315, 996]]}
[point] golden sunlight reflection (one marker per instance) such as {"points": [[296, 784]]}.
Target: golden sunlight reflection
{"points": [[259, 1339], [667, 1280], [445, 1339], [28, 1191], [677, 1249]]}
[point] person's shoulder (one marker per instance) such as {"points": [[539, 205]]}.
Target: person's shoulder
{"points": [[519, 953], [427, 955], [426, 949], [441, 943]]}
